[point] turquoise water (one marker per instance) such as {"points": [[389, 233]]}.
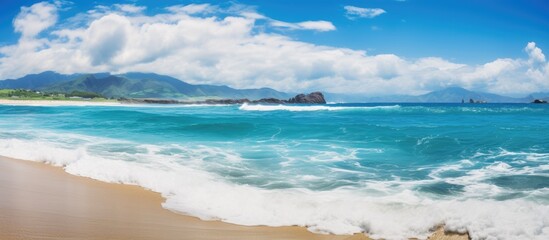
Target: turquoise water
{"points": [[392, 171]]}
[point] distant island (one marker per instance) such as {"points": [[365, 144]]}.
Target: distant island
{"points": [[151, 87]]}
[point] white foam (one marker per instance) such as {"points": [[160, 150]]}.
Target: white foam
{"points": [[528, 156], [477, 181], [390, 215], [42, 152], [301, 108], [500, 167]]}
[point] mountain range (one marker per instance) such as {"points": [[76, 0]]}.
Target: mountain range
{"points": [[150, 85], [447, 95], [133, 85]]}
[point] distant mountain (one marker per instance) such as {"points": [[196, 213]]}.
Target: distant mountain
{"points": [[209, 90], [116, 86], [538, 95], [36, 81], [150, 85], [134, 85], [447, 95], [457, 94]]}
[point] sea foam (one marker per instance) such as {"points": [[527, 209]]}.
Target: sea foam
{"points": [[390, 171], [308, 108], [191, 190]]}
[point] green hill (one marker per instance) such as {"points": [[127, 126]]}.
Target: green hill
{"points": [[36, 81], [117, 87], [133, 85]]}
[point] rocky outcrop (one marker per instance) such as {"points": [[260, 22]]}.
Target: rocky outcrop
{"points": [[220, 101], [476, 101], [539, 101], [311, 98], [150, 101], [270, 101]]}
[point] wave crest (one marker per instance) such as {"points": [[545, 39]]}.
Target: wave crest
{"points": [[190, 190], [309, 108]]}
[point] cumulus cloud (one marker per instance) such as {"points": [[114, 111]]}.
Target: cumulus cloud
{"points": [[237, 48], [35, 19], [353, 12], [105, 38], [534, 53]]}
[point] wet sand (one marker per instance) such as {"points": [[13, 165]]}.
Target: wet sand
{"points": [[39, 201], [43, 202]]}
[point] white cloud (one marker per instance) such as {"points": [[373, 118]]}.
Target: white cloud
{"points": [[129, 8], [230, 50], [320, 26], [252, 15], [534, 53], [105, 38], [35, 19], [192, 8], [353, 12]]}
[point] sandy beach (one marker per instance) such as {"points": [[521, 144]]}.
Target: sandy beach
{"points": [[43, 202]]}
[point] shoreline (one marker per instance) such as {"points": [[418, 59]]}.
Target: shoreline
{"points": [[43, 201], [27, 102]]}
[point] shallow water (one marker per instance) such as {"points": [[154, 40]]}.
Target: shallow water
{"points": [[393, 171]]}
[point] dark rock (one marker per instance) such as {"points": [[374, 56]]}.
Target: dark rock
{"points": [[150, 101], [221, 101], [270, 101], [539, 101], [160, 101], [476, 101], [314, 97]]}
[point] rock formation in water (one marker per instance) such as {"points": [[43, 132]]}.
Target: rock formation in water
{"points": [[539, 101], [314, 97]]}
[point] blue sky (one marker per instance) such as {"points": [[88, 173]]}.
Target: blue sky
{"points": [[481, 45], [467, 31]]}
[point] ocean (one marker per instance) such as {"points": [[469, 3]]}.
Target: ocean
{"points": [[390, 170]]}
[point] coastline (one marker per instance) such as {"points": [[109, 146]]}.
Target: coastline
{"points": [[25, 102], [43, 201], [311, 98]]}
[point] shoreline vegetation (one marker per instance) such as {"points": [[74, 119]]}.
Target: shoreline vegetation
{"points": [[8, 96], [50, 203], [83, 96], [24, 94], [136, 85]]}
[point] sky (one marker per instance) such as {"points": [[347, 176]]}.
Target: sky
{"points": [[371, 47]]}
